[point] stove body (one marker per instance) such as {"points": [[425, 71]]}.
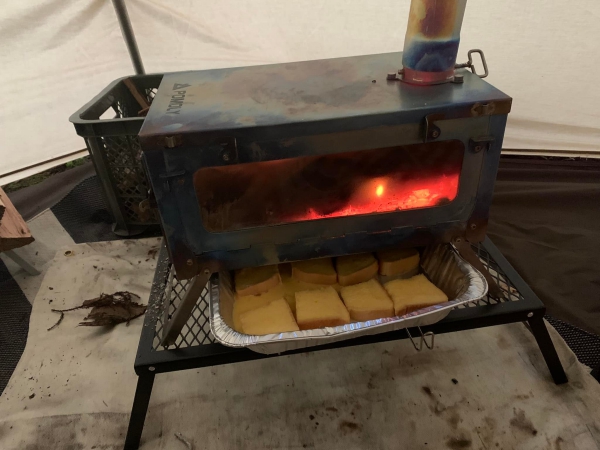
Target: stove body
{"points": [[266, 164]]}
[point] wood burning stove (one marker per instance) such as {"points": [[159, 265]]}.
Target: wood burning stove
{"points": [[267, 164]]}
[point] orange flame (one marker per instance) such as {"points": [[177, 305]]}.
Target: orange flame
{"points": [[393, 196]]}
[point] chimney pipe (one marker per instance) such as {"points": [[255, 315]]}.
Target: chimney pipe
{"points": [[432, 39]]}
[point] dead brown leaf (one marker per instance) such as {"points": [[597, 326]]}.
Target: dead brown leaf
{"points": [[109, 309]]}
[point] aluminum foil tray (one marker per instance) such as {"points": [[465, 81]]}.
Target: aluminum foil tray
{"points": [[440, 263]]}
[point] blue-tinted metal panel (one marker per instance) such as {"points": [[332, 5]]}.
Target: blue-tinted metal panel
{"points": [[300, 93], [242, 115]]}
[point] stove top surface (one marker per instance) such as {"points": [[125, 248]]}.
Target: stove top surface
{"points": [[299, 92]]}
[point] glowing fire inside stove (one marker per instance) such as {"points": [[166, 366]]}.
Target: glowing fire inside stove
{"points": [[381, 180], [388, 195]]}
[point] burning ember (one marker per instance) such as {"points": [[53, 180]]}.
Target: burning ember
{"points": [[324, 186], [394, 195]]}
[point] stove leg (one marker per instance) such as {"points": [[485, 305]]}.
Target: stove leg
{"points": [[540, 332], [138, 411]]}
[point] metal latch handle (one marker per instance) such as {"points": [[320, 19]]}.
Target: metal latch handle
{"points": [[423, 339], [469, 64]]}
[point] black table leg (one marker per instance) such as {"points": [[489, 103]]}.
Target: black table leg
{"points": [[540, 332], [138, 411]]}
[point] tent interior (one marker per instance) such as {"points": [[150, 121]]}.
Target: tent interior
{"points": [[73, 386]]}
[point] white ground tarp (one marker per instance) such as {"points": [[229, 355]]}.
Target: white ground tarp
{"points": [[56, 55], [481, 389]]}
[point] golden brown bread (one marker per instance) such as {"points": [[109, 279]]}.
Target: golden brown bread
{"points": [[245, 303], [394, 262], [320, 308], [291, 285], [367, 301], [354, 269], [316, 271], [275, 317], [413, 294], [256, 280]]}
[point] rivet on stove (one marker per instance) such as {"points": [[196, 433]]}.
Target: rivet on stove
{"points": [[189, 262], [530, 314], [151, 368], [473, 226], [435, 133], [172, 141]]}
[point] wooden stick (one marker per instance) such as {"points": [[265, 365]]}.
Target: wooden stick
{"points": [[143, 112], [2, 208], [141, 99]]}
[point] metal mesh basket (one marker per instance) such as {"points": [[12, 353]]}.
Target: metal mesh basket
{"points": [[115, 150]]}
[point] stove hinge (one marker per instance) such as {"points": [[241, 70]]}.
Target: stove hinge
{"points": [[431, 131], [481, 143]]}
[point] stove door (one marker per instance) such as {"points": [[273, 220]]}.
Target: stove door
{"points": [[309, 188]]}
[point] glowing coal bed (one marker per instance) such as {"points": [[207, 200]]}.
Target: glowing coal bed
{"points": [[388, 195], [326, 186]]}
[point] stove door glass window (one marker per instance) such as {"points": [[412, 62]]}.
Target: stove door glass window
{"points": [[292, 190]]}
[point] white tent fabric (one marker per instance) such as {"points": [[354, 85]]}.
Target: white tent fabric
{"points": [[56, 55]]}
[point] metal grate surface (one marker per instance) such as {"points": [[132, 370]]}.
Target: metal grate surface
{"points": [[169, 291], [511, 294]]}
